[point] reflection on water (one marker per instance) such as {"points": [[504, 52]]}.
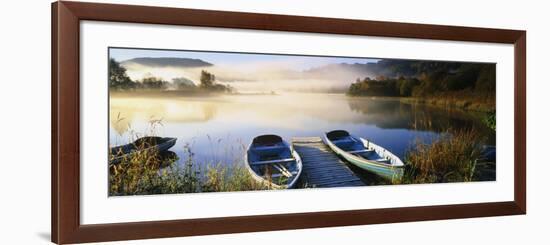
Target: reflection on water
{"points": [[390, 113], [217, 128]]}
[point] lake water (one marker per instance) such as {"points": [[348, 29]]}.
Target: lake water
{"points": [[217, 128]]}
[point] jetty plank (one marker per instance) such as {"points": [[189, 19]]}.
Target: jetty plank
{"points": [[321, 167]]}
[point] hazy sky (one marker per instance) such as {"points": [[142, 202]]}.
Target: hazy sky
{"points": [[217, 58]]}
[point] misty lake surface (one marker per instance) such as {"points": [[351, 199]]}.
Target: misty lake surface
{"points": [[218, 128]]}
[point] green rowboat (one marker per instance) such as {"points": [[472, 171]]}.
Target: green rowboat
{"points": [[365, 154]]}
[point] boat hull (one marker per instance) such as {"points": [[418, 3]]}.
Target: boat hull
{"points": [[391, 172], [166, 144], [297, 162], [386, 172], [272, 185]]}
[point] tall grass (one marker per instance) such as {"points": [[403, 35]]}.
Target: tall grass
{"points": [[140, 175], [466, 100], [220, 178], [449, 158], [152, 172], [490, 120]]}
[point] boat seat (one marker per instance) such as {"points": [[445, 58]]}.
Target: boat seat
{"points": [[343, 143], [360, 151], [272, 161], [269, 150], [383, 160]]}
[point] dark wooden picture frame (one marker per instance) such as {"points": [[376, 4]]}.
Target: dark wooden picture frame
{"points": [[65, 175]]}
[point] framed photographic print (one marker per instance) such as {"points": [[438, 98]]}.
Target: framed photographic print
{"points": [[176, 122]]}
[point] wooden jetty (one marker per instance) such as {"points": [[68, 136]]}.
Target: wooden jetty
{"points": [[321, 167]]}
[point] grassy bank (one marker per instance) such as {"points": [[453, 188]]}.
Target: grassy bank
{"points": [[450, 158], [456, 100], [150, 172]]}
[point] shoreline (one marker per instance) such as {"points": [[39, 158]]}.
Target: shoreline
{"points": [[466, 104], [180, 93], [446, 102]]}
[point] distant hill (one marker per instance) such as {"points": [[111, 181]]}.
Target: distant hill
{"points": [[167, 62], [387, 68]]}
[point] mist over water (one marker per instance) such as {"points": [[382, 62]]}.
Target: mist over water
{"points": [[265, 76], [219, 127]]}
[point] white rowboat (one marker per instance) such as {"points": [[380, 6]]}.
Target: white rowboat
{"points": [[365, 154]]}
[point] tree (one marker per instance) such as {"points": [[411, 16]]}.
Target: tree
{"points": [[208, 82], [118, 79], [207, 79], [486, 81], [182, 83], [407, 85], [426, 78], [464, 77], [154, 83]]}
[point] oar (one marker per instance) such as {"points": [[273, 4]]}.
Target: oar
{"points": [[283, 170]]}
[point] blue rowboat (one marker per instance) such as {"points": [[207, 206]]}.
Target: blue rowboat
{"points": [[273, 162], [141, 145], [365, 154]]}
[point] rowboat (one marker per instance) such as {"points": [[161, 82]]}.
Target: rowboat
{"points": [[365, 154], [273, 162], [141, 145]]}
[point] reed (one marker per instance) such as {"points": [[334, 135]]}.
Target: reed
{"points": [[140, 175], [222, 178], [490, 120], [450, 158], [153, 172], [464, 100]]}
